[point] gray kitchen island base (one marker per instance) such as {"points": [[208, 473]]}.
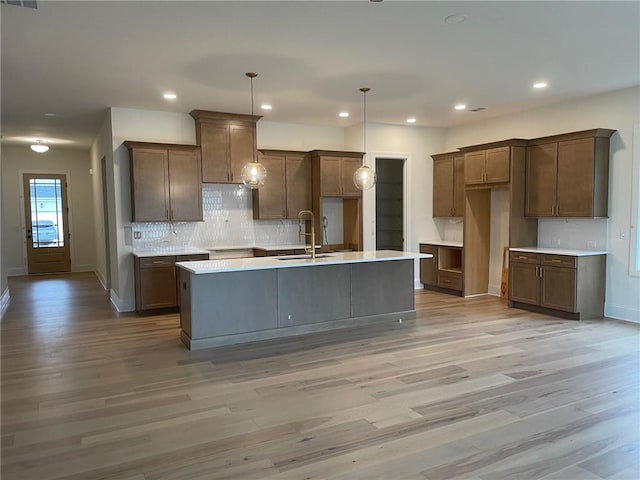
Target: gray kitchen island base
{"points": [[230, 307]]}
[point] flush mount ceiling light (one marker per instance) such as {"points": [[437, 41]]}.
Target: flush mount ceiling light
{"points": [[539, 85], [343, 114], [364, 178], [460, 106], [253, 173], [266, 107], [411, 120], [170, 96], [39, 147]]}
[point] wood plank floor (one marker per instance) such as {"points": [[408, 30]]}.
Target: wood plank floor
{"points": [[469, 389]]}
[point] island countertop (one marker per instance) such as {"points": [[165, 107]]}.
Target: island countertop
{"points": [[265, 263]]}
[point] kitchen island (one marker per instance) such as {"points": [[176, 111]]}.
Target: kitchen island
{"points": [[226, 302]]}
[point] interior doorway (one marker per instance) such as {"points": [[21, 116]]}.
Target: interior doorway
{"points": [[46, 216], [390, 204]]}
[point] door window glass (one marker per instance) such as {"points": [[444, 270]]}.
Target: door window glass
{"points": [[47, 226]]}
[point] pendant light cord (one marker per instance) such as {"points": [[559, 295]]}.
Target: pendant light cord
{"points": [[364, 91], [251, 76]]}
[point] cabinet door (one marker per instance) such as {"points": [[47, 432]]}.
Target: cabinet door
{"points": [[559, 288], [269, 200], [429, 266], [157, 283], [185, 186], [474, 168], [497, 165], [443, 187], [150, 185], [575, 178], [214, 145], [298, 181], [348, 168], [540, 178], [241, 151], [330, 179], [458, 186], [524, 283]]}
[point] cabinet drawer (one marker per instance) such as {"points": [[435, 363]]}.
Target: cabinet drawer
{"points": [[191, 258], [450, 280], [559, 261], [523, 257], [154, 262], [431, 249]]}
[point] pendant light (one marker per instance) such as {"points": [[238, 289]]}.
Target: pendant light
{"points": [[39, 147], [364, 178], [253, 173]]}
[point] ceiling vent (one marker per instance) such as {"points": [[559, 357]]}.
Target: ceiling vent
{"points": [[21, 3]]}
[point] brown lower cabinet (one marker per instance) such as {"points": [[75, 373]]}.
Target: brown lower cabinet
{"points": [[564, 285], [442, 272], [156, 281]]}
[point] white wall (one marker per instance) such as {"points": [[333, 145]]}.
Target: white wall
{"points": [[4, 282], [416, 144], [617, 110], [75, 164]]}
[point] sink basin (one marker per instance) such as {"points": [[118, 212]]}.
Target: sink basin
{"points": [[301, 257]]}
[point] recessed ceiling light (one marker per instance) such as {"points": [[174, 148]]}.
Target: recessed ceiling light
{"points": [[460, 106], [170, 96], [455, 18], [411, 120], [48, 114], [540, 85], [266, 107], [343, 114]]}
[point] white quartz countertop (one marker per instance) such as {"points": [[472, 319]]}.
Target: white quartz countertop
{"points": [[266, 263], [444, 243], [169, 251], [282, 247], [558, 251]]}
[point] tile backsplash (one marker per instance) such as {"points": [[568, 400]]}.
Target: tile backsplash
{"points": [[582, 234], [228, 222]]}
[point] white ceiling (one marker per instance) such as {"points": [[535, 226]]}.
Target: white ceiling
{"points": [[75, 59]]}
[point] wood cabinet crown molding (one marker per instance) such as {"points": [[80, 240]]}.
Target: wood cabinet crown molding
{"points": [[335, 153], [131, 144], [512, 142], [561, 137], [225, 117]]}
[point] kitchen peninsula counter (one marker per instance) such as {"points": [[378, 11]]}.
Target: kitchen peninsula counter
{"points": [[248, 299]]}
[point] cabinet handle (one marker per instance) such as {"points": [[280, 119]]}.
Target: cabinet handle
{"points": [[166, 214], [522, 257], [541, 272], [557, 210], [556, 261], [171, 214]]}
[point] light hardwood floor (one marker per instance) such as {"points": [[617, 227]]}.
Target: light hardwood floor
{"points": [[470, 389]]}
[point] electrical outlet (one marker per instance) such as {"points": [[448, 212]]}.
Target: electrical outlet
{"points": [[555, 242], [591, 244], [137, 235]]}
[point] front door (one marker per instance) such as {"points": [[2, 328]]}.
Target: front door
{"points": [[47, 220]]}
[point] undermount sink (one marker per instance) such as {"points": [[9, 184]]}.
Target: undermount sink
{"points": [[301, 257]]}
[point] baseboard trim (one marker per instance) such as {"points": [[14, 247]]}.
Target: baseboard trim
{"points": [[4, 302], [494, 290], [16, 271], [101, 279], [622, 313], [120, 305]]}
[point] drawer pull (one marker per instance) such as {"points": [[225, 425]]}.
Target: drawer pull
{"points": [[556, 261], [522, 257]]}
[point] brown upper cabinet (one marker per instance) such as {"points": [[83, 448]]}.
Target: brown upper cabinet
{"points": [[568, 175], [448, 185], [227, 142], [333, 172], [287, 189], [490, 165], [166, 182]]}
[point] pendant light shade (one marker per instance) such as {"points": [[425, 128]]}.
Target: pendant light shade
{"points": [[364, 178], [253, 173], [39, 147]]}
